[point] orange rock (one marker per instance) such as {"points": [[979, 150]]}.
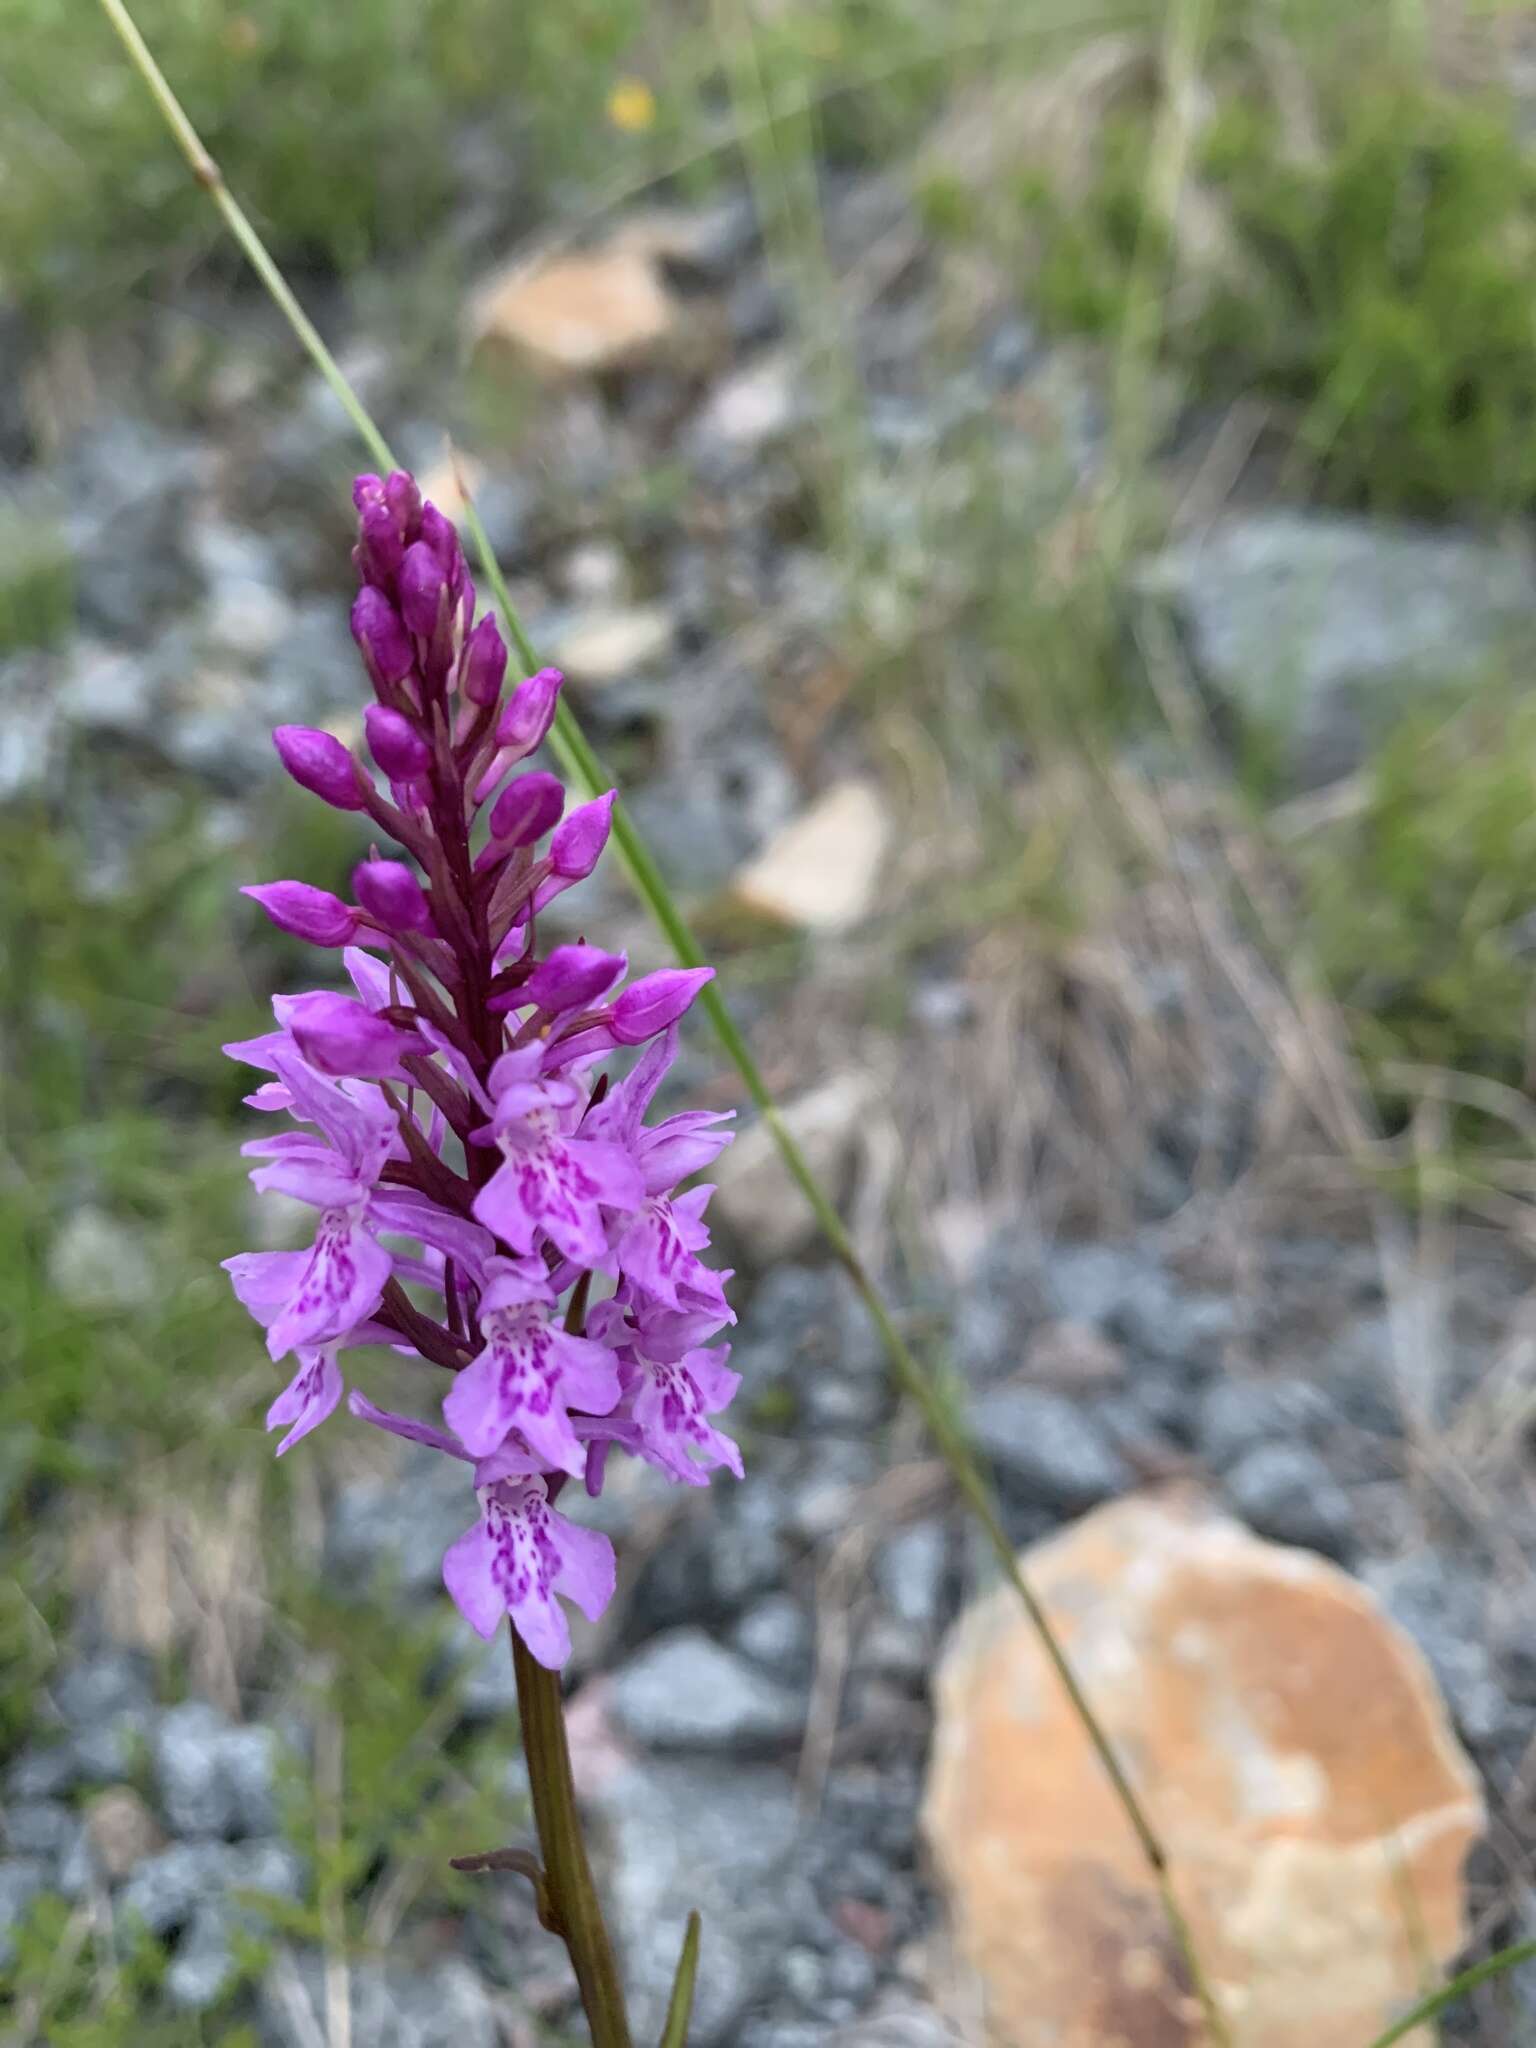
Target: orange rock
{"points": [[575, 315], [1294, 1753]]}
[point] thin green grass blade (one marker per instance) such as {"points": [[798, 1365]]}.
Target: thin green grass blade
{"points": [[577, 757], [680, 2007], [1431, 2007]]}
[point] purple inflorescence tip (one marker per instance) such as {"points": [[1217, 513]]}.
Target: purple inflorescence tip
{"points": [[649, 1005], [389, 892], [527, 808], [395, 743], [451, 1127], [318, 762], [309, 913]]}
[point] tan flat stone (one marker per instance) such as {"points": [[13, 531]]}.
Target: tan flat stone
{"points": [[821, 871], [580, 314], [1291, 1745]]}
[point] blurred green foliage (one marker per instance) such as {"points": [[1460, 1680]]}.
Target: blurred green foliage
{"points": [[1422, 909], [336, 125], [1375, 287]]}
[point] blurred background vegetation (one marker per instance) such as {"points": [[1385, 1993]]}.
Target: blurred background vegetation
{"points": [[1293, 244]]}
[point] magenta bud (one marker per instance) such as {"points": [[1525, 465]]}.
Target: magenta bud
{"points": [[404, 502], [313, 914], [378, 632], [367, 490], [572, 977], [577, 845], [484, 665], [530, 712], [526, 808], [439, 534], [391, 894], [382, 548], [422, 588], [318, 762], [339, 1035], [654, 1001], [395, 743]]}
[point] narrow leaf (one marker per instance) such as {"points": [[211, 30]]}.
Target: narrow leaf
{"points": [[675, 2033], [1437, 2001]]}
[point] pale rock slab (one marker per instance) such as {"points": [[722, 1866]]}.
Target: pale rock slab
{"points": [[610, 642], [1291, 1745], [578, 315], [821, 871]]}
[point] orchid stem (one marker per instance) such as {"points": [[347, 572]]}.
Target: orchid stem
{"points": [[568, 1881], [576, 756]]}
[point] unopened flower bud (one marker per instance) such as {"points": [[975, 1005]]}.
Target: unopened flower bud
{"points": [[526, 808], [309, 913], [578, 844], [483, 666], [339, 1035], [654, 1001], [423, 584], [438, 533], [404, 502], [319, 762], [572, 977], [367, 490], [395, 743], [380, 543], [376, 628], [530, 713], [389, 892]]}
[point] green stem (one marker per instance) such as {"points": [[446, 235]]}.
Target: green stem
{"points": [[1436, 2003], [571, 1894], [581, 763]]}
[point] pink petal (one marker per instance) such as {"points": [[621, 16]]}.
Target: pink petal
{"points": [[405, 1426], [308, 1398], [343, 1278], [588, 1568], [469, 1573]]}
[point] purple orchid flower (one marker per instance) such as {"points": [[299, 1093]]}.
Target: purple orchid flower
{"points": [[517, 1558], [450, 1122], [552, 1178]]}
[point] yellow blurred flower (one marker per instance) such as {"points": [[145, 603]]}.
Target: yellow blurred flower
{"points": [[632, 106], [242, 35]]}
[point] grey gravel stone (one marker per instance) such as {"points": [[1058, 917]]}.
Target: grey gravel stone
{"points": [[37, 1827], [905, 2026], [106, 1704], [76, 1870], [394, 2005], [1235, 1416], [777, 1634], [686, 1691], [1046, 1451], [41, 1772], [166, 1890], [1512, 1635], [1322, 628], [94, 1688], [909, 1570], [713, 1835], [22, 1879], [1285, 1491], [203, 1967], [830, 1476], [214, 1778], [395, 1528], [1441, 1605]]}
